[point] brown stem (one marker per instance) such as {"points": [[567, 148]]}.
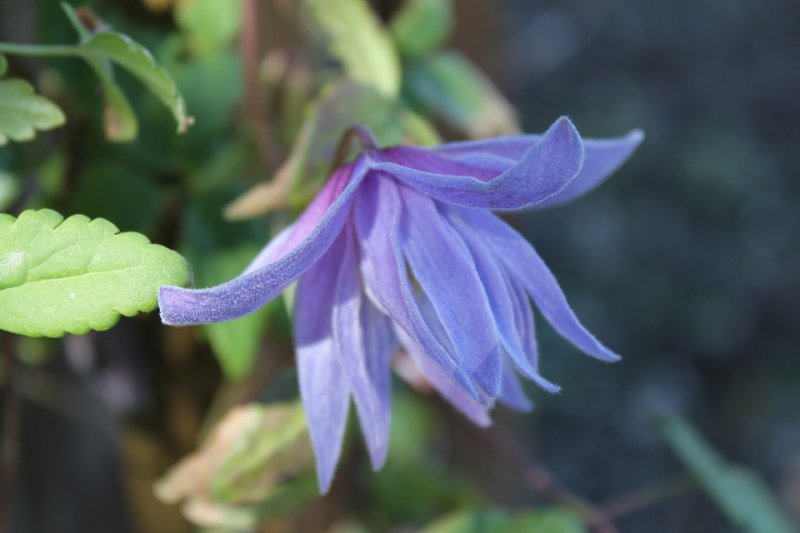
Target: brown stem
{"points": [[364, 136], [250, 50], [647, 496], [10, 437], [541, 481]]}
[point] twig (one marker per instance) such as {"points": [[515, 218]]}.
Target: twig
{"points": [[646, 496], [541, 481], [10, 437]]}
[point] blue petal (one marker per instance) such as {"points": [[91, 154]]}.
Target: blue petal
{"points": [[512, 393], [443, 267], [544, 170], [455, 394], [362, 338], [313, 234], [602, 157], [376, 216], [525, 265], [323, 383]]}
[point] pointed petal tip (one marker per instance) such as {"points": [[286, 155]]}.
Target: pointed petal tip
{"points": [[636, 136], [548, 386]]}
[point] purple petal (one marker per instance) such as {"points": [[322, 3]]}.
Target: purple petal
{"points": [[496, 287], [545, 168], [512, 393], [602, 157], [357, 333], [525, 265], [444, 269], [446, 387], [311, 236], [323, 383], [377, 215]]}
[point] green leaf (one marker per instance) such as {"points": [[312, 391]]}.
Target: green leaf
{"points": [[420, 26], [549, 521], [256, 462], [219, 251], [499, 521], [22, 112], [209, 24], [449, 86], [356, 37], [741, 494], [70, 276], [133, 57]]}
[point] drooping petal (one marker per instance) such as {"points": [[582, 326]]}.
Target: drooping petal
{"points": [[446, 387], [444, 269], [311, 236], [512, 393], [544, 170], [376, 216], [525, 265], [323, 383], [356, 334], [602, 157]]}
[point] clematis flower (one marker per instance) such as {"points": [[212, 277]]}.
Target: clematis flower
{"points": [[401, 249]]}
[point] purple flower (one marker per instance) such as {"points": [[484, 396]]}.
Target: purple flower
{"points": [[400, 248]]}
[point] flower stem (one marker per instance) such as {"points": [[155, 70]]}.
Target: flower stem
{"points": [[364, 136], [41, 50], [648, 495]]}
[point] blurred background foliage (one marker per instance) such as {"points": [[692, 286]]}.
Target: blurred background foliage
{"points": [[686, 262]]}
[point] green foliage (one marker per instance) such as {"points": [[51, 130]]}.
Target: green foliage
{"points": [[220, 251], [22, 112], [741, 494], [499, 521], [421, 26], [447, 85], [209, 25], [356, 37], [70, 276], [255, 465], [3, 66], [8, 189]]}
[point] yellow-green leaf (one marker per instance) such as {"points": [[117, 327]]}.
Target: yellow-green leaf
{"points": [[420, 26], [71, 276], [22, 112]]}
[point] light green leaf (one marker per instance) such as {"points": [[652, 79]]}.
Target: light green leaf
{"points": [[420, 26], [22, 112], [256, 462], [133, 57], [357, 38], [741, 493], [209, 24], [70, 276], [449, 86]]}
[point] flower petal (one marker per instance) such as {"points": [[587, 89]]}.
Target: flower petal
{"points": [[311, 236], [544, 169], [323, 383], [446, 387], [497, 288], [444, 269], [602, 157], [377, 215], [512, 393], [525, 265], [356, 334]]}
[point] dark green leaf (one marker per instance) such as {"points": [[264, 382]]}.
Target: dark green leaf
{"points": [[70, 276], [741, 493], [449, 86], [420, 26]]}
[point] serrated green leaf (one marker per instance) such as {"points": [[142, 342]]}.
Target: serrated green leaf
{"points": [[356, 37], [22, 112], [133, 57], [740, 493], [447, 85], [209, 24], [70, 276], [420, 26]]}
